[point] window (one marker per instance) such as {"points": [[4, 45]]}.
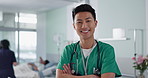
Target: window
{"points": [[27, 45], [10, 35], [26, 20], [20, 30]]}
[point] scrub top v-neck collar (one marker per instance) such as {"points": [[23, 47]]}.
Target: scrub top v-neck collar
{"points": [[85, 61]]}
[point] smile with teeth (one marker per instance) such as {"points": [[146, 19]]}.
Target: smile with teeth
{"points": [[85, 31]]}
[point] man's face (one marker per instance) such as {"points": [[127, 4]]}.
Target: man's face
{"points": [[84, 25]]}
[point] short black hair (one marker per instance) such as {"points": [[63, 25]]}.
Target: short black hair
{"points": [[5, 44], [46, 62], [83, 8]]}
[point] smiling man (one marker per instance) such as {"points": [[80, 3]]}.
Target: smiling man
{"points": [[87, 58]]}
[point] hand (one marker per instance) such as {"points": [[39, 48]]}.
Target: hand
{"points": [[67, 69], [41, 60], [15, 63]]}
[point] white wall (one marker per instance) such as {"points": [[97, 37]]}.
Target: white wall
{"points": [[41, 35], [126, 14], [94, 4], [147, 25]]}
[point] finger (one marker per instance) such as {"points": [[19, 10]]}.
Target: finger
{"points": [[64, 72], [64, 68], [67, 69], [69, 66]]}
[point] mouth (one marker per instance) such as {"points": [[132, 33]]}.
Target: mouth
{"points": [[86, 31]]}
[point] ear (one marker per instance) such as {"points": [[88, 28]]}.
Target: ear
{"points": [[96, 22], [73, 25]]}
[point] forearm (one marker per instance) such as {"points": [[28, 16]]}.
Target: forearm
{"points": [[73, 76], [60, 74], [108, 75], [66, 73]]}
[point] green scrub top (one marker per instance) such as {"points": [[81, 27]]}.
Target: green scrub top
{"points": [[107, 62]]}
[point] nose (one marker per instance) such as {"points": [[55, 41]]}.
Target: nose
{"points": [[84, 25]]}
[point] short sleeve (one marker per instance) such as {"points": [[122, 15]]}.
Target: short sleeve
{"points": [[65, 58], [109, 63]]}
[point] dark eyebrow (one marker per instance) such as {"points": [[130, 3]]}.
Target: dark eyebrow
{"points": [[79, 20], [85, 19], [88, 18]]}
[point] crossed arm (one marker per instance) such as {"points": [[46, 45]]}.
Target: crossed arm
{"points": [[66, 73]]}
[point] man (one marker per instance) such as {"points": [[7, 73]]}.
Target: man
{"points": [[45, 69], [43, 62], [87, 58], [30, 70]]}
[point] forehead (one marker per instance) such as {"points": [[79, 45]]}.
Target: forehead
{"points": [[83, 15]]}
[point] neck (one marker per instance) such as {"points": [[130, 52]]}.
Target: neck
{"points": [[87, 44]]}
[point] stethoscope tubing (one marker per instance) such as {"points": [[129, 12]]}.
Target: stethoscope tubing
{"points": [[83, 58]]}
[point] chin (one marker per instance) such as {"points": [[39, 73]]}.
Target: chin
{"points": [[85, 38]]}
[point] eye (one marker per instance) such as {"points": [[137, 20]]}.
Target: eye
{"points": [[88, 21]]}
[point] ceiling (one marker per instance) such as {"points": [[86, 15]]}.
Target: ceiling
{"points": [[33, 5]]}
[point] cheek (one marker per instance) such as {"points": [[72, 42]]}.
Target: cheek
{"points": [[76, 27], [93, 25]]}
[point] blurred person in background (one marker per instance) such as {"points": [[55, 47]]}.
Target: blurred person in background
{"points": [[44, 64], [7, 60], [45, 69]]}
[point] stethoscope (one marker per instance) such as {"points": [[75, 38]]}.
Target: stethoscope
{"points": [[96, 71]]}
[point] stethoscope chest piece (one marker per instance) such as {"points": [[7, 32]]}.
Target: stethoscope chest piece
{"points": [[96, 72], [73, 71]]}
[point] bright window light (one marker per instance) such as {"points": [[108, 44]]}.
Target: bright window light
{"points": [[1, 16], [26, 18]]}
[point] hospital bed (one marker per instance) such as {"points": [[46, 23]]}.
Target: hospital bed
{"points": [[25, 71]]}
